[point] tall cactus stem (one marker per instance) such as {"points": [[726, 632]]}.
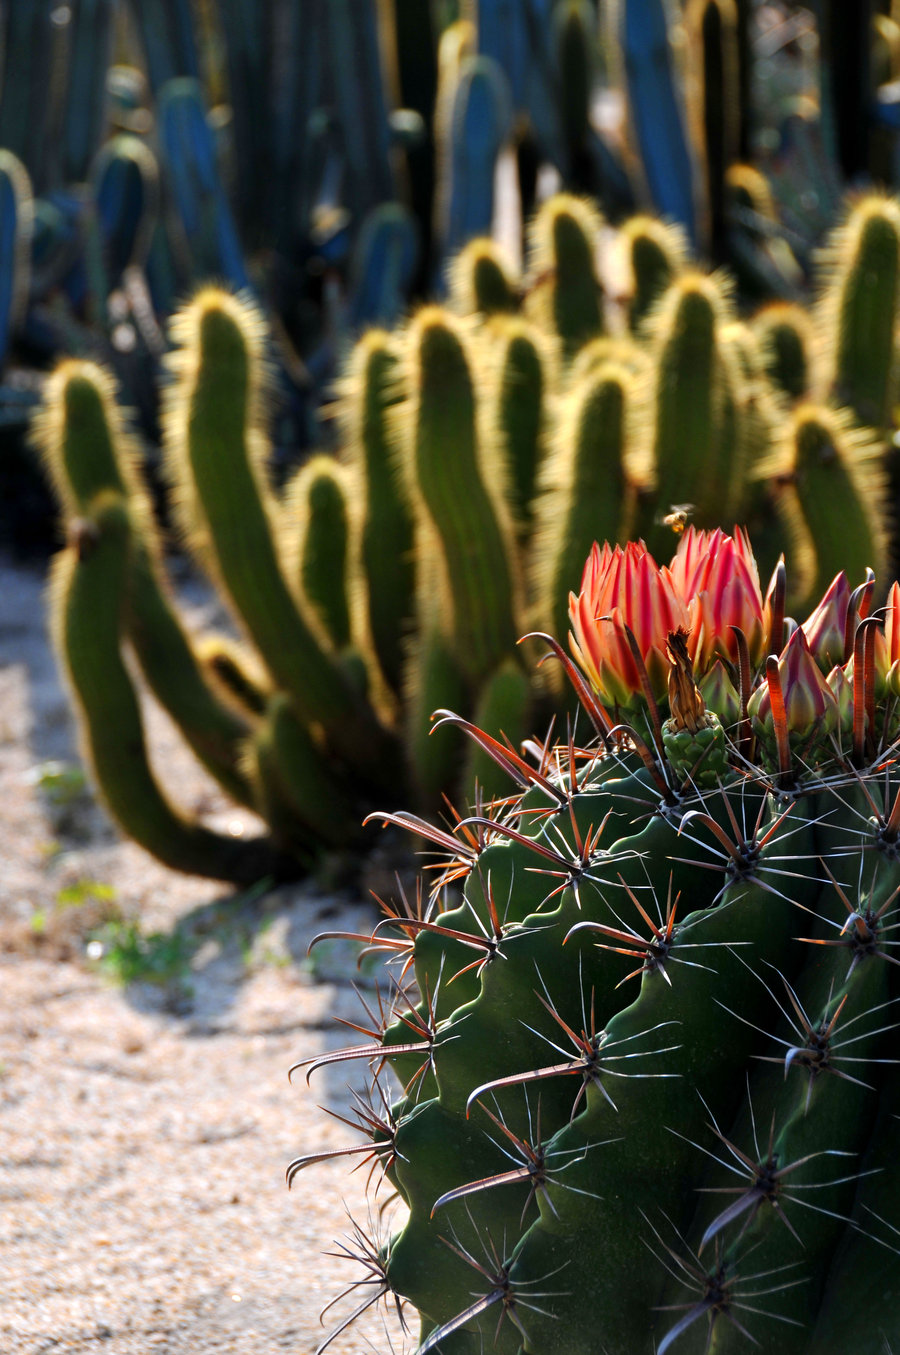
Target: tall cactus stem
{"points": [[565, 296], [449, 462]]}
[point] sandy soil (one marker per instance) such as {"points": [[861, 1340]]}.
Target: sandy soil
{"points": [[145, 1128]]}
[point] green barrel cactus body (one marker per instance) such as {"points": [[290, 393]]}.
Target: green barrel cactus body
{"points": [[647, 1094]]}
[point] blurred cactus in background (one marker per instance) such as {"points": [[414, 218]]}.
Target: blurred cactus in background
{"points": [[576, 372], [483, 447]]}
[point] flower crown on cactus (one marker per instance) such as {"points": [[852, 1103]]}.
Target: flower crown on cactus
{"points": [[804, 699], [643, 1026]]}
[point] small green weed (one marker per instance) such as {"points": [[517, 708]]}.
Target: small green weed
{"points": [[62, 782], [97, 899], [119, 948], [85, 891]]}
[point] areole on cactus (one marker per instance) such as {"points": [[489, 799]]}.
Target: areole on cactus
{"points": [[643, 1024]]}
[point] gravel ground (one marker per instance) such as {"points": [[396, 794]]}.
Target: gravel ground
{"points": [[145, 1128]]}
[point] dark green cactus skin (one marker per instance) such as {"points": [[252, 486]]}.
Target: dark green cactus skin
{"points": [[783, 333], [481, 281], [505, 707], [518, 412], [324, 548], [654, 264], [619, 1072], [836, 477], [433, 679]]}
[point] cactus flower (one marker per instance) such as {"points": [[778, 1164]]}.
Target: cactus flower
{"points": [[622, 587], [824, 628], [810, 704], [717, 578]]}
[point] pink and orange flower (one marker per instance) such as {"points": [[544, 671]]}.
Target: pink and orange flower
{"points": [[717, 577], [619, 588], [711, 585]]}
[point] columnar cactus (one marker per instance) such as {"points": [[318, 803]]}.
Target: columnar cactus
{"points": [[610, 391], [642, 1094]]}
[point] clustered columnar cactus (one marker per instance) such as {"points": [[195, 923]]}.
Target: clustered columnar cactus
{"points": [[643, 1033], [482, 448]]}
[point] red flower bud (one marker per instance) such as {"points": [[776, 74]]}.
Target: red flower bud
{"points": [[824, 628], [809, 703]]}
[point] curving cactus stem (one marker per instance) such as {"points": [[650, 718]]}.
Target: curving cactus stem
{"points": [[88, 600], [647, 1096], [88, 453]]}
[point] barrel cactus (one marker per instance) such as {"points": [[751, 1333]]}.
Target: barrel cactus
{"points": [[634, 1085]]}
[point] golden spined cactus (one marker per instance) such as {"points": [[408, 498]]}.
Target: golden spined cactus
{"points": [[83, 440], [369, 397], [520, 388], [316, 535], [622, 350], [590, 482], [564, 296], [458, 484], [695, 397], [89, 590], [860, 308], [88, 451], [789, 346], [653, 253], [483, 280], [830, 477], [215, 445]]}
